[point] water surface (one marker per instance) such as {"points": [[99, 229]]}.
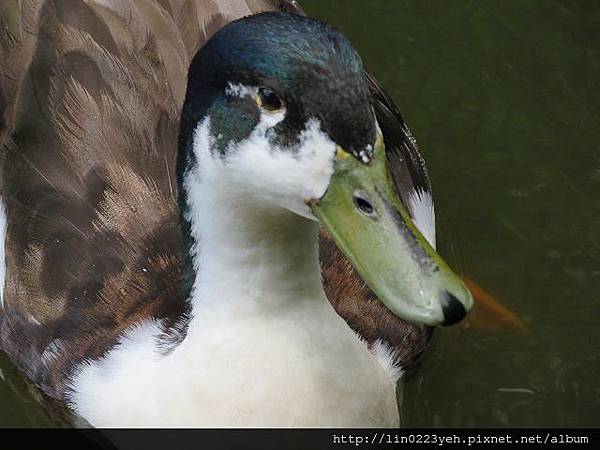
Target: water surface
{"points": [[504, 100]]}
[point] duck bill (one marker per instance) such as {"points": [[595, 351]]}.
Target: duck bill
{"points": [[370, 225]]}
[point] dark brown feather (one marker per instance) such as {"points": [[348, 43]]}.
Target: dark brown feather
{"points": [[90, 95]]}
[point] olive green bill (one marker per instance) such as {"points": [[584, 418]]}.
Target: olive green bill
{"points": [[373, 229]]}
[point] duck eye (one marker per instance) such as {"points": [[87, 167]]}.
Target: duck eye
{"points": [[267, 99]]}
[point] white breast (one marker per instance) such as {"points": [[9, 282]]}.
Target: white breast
{"points": [[303, 368]]}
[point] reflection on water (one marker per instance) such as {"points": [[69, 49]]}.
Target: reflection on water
{"points": [[504, 99]]}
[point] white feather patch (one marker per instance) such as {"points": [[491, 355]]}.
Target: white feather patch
{"points": [[421, 205], [286, 178], [385, 356]]}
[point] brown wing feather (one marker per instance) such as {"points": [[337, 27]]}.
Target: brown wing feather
{"points": [[18, 22], [90, 94], [93, 242]]}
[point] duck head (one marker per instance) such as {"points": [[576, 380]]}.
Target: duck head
{"points": [[278, 105]]}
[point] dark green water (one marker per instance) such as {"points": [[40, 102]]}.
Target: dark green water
{"points": [[504, 99]]}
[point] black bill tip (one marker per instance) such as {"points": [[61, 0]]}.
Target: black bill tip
{"points": [[454, 310]]}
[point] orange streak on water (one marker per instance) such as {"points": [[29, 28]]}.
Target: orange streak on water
{"points": [[489, 314]]}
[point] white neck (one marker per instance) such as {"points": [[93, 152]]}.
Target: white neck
{"points": [[249, 257], [250, 252]]}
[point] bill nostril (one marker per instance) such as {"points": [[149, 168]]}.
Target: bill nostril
{"points": [[454, 310], [363, 204]]}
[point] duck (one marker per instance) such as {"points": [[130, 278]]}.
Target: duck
{"points": [[211, 216]]}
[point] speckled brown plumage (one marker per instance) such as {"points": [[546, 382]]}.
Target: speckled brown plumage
{"points": [[90, 95]]}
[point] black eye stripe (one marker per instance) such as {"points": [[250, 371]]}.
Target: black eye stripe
{"points": [[269, 100]]}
